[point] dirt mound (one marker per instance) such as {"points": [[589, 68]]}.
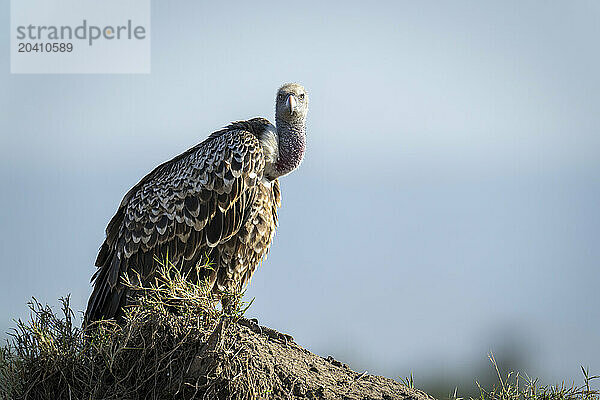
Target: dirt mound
{"points": [[280, 369], [175, 344]]}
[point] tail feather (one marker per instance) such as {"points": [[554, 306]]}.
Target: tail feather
{"points": [[109, 293]]}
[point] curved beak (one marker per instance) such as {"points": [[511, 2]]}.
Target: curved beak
{"points": [[291, 103]]}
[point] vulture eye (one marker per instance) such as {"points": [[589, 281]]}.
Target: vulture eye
{"points": [[281, 96], [301, 96]]}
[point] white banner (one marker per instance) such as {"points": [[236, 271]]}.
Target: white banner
{"points": [[80, 36]]}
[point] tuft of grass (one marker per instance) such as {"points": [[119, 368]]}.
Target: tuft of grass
{"points": [[518, 387], [515, 386], [154, 354], [408, 381]]}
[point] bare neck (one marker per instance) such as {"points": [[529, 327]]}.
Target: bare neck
{"points": [[292, 144]]}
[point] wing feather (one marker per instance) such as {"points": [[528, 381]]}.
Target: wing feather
{"points": [[185, 207]]}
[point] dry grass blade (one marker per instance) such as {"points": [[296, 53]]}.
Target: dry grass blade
{"points": [[148, 357]]}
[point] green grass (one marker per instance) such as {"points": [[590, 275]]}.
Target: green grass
{"points": [[154, 355], [517, 386], [150, 356]]}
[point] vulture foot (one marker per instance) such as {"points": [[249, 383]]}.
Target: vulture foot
{"points": [[253, 325]]}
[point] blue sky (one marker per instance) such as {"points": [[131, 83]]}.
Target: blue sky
{"points": [[447, 204]]}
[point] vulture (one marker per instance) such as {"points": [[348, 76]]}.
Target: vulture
{"points": [[215, 203]]}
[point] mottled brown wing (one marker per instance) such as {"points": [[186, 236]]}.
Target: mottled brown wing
{"points": [[185, 206]]}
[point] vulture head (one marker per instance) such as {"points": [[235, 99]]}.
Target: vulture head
{"points": [[291, 103]]}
